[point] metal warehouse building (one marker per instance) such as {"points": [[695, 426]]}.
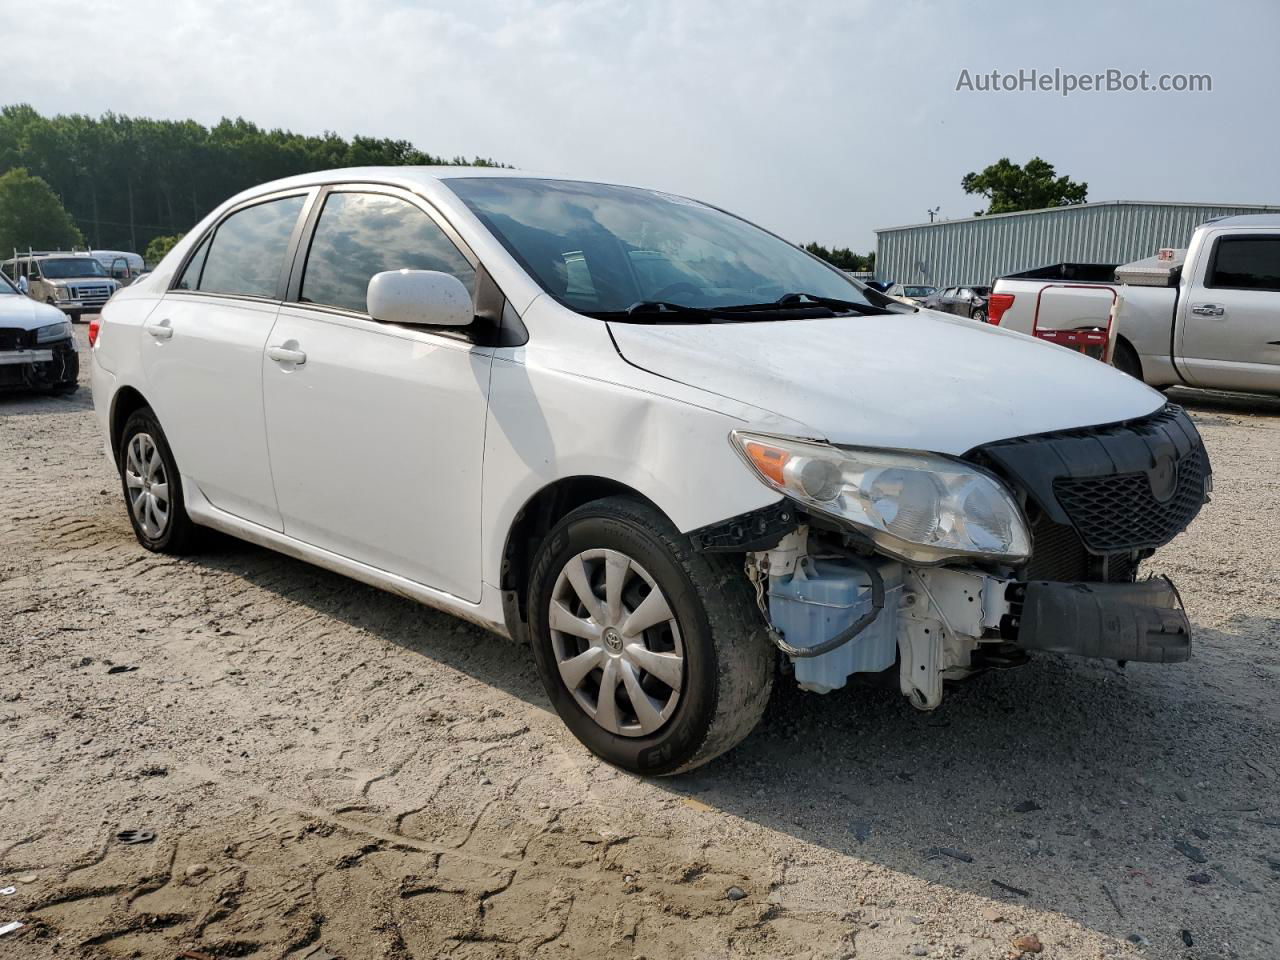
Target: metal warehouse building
{"points": [[978, 249]]}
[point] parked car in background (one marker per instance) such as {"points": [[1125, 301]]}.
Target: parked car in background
{"points": [[1207, 316], [668, 448], [121, 265], [75, 283], [970, 301], [37, 346], [912, 293]]}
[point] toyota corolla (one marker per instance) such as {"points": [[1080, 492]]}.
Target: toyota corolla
{"points": [[676, 454]]}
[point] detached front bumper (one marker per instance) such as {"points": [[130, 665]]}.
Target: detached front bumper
{"points": [[40, 367], [1142, 621]]}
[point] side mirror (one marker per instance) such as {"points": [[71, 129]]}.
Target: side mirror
{"points": [[425, 298], [23, 286]]}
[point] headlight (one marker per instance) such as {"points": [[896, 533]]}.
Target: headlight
{"points": [[917, 507], [54, 331]]}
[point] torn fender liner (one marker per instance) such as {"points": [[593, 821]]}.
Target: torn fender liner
{"points": [[1141, 621], [756, 530]]}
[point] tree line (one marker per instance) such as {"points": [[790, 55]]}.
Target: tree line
{"points": [[126, 181]]}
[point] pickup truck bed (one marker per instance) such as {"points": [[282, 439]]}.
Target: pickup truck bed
{"points": [[1215, 324]]}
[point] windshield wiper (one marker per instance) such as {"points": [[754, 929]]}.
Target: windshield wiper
{"points": [[802, 301], [659, 311], [664, 306]]}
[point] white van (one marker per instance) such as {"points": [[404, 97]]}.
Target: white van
{"points": [[121, 264]]}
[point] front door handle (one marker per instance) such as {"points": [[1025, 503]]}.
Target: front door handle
{"points": [[285, 355], [161, 331], [1207, 310]]}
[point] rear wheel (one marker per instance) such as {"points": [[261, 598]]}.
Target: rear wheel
{"points": [[650, 652], [152, 486], [1125, 359]]}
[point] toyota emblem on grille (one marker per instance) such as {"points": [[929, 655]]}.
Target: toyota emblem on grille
{"points": [[1164, 477]]}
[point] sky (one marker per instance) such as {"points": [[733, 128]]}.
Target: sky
{"points": [[821, 120]]}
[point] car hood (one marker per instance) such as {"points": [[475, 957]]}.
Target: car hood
{"points": [[27, 314], [921, 381]]}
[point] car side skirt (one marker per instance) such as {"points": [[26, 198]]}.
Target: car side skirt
{"points": [[487, 613]]}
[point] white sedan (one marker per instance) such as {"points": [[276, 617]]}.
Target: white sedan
{"points": [[667, 448]]}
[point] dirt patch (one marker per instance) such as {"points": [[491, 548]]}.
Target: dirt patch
{"points": [[327, 767]]}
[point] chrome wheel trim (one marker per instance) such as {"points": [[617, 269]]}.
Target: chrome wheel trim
{"points": [[616, 642], [147, 483]]}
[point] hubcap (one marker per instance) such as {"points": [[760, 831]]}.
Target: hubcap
{"points": [[147, 484], [616, 642]]}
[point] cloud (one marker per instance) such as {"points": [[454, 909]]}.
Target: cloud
{"points": [[821, 120]]}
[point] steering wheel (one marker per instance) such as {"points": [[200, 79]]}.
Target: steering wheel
{"points": [[682, 286]]}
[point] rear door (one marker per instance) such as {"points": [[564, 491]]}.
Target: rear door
{"points": [[1231, 319], [376, 431], [202, 355]]}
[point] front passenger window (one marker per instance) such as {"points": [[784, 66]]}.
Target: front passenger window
{"points": [[361, 234]]}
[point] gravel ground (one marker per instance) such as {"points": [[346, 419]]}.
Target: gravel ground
{"points": [[329, 768]]}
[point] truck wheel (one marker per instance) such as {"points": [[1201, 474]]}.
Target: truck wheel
{"points": [[152, 486], [1125, 359], [652, 654]]}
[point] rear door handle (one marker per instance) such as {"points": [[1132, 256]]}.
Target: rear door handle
{"points": [[285, 355], [161, 331], [1207, 310]]}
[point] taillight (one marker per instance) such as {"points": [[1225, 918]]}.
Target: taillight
{"points": [[997, 304], [94, 326]]}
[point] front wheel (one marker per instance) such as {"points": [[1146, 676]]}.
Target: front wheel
{"points": [[153, 487], [651, 653]]}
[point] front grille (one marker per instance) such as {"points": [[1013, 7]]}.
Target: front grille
{"points": [[1058, 554], [13, 338], [1121, 512]]}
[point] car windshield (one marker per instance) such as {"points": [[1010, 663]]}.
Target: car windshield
{"points": [[916, 291], [603, 249], [6, 286], [64, 268]]}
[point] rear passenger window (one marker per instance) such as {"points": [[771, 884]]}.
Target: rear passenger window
{"points": [[1246, 263], [248, 250], [360, 234], [190, 279]]}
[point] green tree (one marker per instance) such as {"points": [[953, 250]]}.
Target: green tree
{"points": [[159, 248], [31, 215], [1009, 187], [127, 180], [843, 257]]}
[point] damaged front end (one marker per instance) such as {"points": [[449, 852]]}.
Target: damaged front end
{"points": [[36, 360], [945, 566]]}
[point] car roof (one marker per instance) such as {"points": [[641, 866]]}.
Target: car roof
{"points": [[426, 179], [1265, 220]]}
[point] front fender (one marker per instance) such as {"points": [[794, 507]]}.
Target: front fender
{"points": [[548, 425]]}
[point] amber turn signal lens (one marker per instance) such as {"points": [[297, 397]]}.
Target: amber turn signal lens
{"points": [[770, 461]]}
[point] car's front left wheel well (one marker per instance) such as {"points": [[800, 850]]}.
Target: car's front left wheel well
{"points": [[534, 521]]}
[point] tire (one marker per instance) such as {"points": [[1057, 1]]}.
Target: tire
{"points": [[980, 315], [1125, 359], [177, 534], [713, 632], [65, 389]]}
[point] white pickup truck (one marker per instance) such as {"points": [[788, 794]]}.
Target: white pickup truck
{"points": [[1208, 316]]}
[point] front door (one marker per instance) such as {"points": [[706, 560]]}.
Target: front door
{"points": [[376, 431], [1231, 320], [202, 357]]}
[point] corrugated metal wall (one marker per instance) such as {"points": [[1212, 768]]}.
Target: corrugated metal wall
{"points": [[979, 249]]}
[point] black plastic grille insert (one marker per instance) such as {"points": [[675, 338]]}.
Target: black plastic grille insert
{"points": [[1120, 512]]}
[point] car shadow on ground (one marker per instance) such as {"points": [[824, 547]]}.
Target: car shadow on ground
{"points": [[1059, 766], [1214, 401], [31, 403]]}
